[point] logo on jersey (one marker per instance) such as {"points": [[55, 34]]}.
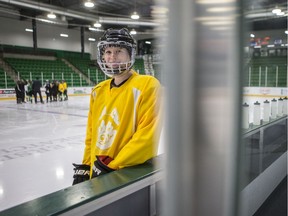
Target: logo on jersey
{"points": [[106, 131]]}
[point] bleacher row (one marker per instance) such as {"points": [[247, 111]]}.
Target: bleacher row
{"points": [[266, 72], [5, 81], [29, 69]]}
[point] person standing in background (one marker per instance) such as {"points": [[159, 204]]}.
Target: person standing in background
{"points": [[29, 92], [21, 85], [54, 90], [36, 87], [18, 92], [61, 90], [48, 91], [65, 90]]}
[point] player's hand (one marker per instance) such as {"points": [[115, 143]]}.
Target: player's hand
{"points": [[81, 173], [100, 166]]}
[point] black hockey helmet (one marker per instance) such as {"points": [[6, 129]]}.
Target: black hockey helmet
{"points": [[118, 35]]}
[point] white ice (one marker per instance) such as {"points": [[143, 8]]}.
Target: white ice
{"points": [[39, 143]]}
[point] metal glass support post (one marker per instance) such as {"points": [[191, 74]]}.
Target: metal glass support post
{"points": [[72, 80], [249, 76], [276, 76], [96, 76], [203, 89], [5, 78], [266, 75], [259, 76], [152, 193]]}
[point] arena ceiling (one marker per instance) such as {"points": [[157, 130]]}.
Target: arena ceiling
{"points": [[110, 13], [115, 13]]}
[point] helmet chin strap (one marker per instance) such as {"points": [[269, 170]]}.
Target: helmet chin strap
{"points": [[122, 73]]}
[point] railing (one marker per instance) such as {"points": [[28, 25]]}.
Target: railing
{"points": [[26, 51], [267, 76]]}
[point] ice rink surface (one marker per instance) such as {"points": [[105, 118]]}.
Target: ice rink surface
{"points": [[39, 143]]}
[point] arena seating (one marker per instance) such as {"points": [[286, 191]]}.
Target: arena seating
{"points": [[89, 68], [271, 62], [29, 69], [10, 82]]}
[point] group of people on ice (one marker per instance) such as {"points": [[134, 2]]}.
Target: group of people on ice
{"points": [[26, 90]]}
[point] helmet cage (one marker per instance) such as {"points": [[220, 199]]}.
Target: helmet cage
{"points": [[123, 66]]}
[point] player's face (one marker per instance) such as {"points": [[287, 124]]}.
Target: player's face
{"points": [[114, 56]]}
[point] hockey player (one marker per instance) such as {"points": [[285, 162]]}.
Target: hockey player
{"points": [[65, 94], [36, 87], [124, 114], [18, 92], [54, 89], [60, 90], [29, 92], [48, 91]]}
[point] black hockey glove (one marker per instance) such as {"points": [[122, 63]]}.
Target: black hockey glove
{"points": [[81, 173], [100, 166]]}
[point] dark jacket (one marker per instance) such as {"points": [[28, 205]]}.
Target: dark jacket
{"points": [[36, 85]]}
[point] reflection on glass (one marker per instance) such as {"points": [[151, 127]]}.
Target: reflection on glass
{"points": [[263, 146], [265, 82], [60, 173], [1, 191]]}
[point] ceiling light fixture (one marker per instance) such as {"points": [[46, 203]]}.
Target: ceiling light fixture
{"points": [[280, 13], [95, 29], [135, 15], [97, 25], [133, 32], [89, 4], [218, 22], [29, 30], [51, 15], [276, 10], [64, 35], [221, 9]]}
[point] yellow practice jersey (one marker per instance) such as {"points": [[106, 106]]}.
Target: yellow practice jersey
{"points": [[124, 122], [64, 85], [61, 87]]}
